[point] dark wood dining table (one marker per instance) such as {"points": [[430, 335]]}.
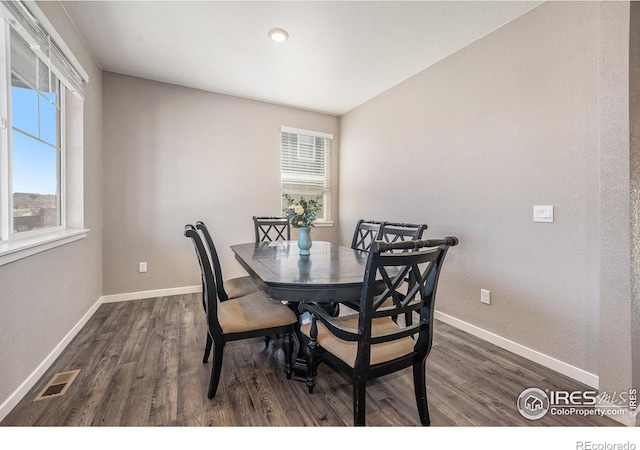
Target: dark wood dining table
{"points": [[329, 275]]}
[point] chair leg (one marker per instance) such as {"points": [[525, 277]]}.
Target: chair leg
{"points": [[311, 357], [207, 349], [267, 339], [420, 387], [216, 369], [359, 394], [287, 347]]}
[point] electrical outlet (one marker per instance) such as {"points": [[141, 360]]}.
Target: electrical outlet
{"points": [[485, 296], [142, 267]]}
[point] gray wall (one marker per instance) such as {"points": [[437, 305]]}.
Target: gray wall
{"points": [[469, 146], [634, 122], [615, 321], [174, 155], [43, 297]]}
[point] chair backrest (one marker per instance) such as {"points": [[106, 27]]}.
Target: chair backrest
{"points": [[192, 228], [209, 292], [215, 261], [365, 233], [420, 268], [395, 232], [268, 229]]}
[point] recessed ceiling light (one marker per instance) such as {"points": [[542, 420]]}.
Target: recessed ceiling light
{"points": [[278, 35]]}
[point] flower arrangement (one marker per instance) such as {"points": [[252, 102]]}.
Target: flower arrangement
{"points": [[301, 213]]}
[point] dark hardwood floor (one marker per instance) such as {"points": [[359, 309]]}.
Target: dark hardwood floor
{"points": [[141, 365]]}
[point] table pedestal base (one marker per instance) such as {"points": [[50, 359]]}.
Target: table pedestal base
{"points": [[299, 364]]}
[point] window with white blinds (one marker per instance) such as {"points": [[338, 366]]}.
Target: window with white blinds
{"points": [[306, 166], [41, 114], [43, 46]]}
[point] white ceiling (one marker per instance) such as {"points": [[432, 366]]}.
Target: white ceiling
{"points": [[339, 54]]}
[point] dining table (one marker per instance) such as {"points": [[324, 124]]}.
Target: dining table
{"points": [[329, 275]]}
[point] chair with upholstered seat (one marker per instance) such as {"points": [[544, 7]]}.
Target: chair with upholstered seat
{"points": [[397, 232], [368, 231], [249, 316], [230, 288], [226, 289], [371, 344], [365, 233], [394, 232], [269, 229]]}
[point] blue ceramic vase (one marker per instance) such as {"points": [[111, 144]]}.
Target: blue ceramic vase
{"points": [[304, 240]]}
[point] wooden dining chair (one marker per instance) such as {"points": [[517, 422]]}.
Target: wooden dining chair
{"points": [[365, 233], [394, 232], [368, 231], [238, 287], [249, 316], [371, 344], [268, 229], [230, 288]]}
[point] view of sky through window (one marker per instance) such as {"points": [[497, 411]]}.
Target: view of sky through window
{"points": [[34, 141]]}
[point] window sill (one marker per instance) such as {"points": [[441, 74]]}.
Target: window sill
{"points": [[319, 224], [14, 250]]}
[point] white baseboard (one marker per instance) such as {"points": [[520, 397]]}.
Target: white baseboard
{"points": [[27, 384], [150, 294], [621, 415], [544, 360]]}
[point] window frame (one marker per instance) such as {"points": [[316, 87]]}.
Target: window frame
{"points": [[8, 234], [327, 220], [18, 245]]}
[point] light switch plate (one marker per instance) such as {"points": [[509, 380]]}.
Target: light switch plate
{"points": [[543, 213]]}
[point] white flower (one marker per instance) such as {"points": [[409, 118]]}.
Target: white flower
{"points": [[298, 209], [300, 222]]}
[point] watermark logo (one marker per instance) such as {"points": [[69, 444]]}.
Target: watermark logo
{"points": [[533, 403], [588, 445]]}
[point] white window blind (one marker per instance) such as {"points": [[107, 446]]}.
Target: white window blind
{"points": [[306, 164], [43, 45]]}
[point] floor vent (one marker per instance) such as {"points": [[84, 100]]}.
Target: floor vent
{"points": [[58, 385]]}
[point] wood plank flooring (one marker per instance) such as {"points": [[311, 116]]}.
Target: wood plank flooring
{"points": [[141, 365]]}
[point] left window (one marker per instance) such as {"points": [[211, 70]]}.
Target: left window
{"points": [[41, 142], [35, 142]]}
